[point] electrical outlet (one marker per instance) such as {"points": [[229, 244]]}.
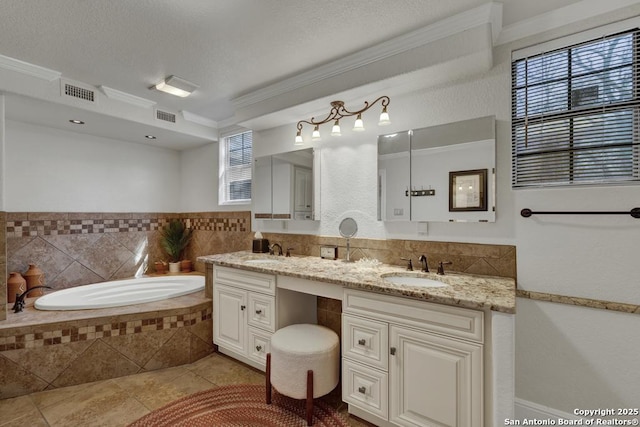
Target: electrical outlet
{"points": [[329, 252]]}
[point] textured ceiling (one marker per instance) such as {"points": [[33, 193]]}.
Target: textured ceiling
{"points": [[227, 47]]}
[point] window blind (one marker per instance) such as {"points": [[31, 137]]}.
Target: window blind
{"points": [[575, 113], [237, 167]]}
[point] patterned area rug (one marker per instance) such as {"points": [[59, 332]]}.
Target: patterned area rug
{"points": [[239, 405]]}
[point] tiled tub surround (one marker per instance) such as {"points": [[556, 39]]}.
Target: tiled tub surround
{"points": [[464, 290], [44, 350], [80, 248]]}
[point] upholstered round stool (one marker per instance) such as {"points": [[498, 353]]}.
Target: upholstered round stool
{"points": [[304, 363]]}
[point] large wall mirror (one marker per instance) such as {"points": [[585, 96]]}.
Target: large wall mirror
{"points": [[442, 173], [284, 186]]}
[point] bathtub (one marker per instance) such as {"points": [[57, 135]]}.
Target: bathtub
{"points": [[120, 292]]}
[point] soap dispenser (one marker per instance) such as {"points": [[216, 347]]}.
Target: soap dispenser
{"points": [[260, 244]]}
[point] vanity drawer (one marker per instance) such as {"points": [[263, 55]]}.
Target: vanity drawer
{"points": [[249, 280], [442, 319], [366, 341], [259, 345], [261, 311], [366, 388]]}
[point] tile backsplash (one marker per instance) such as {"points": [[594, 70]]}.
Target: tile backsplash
{"points": [[471, 258], [76, 248]]}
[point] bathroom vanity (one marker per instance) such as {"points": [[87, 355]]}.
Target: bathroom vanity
{"points": [[417, 348]]}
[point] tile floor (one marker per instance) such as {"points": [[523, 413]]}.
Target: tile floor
{"points": [[120, 401]]}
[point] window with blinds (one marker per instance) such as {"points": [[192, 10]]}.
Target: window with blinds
{"points": [[575, 114], [236, 164]]}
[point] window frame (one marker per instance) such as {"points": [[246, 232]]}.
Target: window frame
{"points": [[225, 169], [572, 111]]}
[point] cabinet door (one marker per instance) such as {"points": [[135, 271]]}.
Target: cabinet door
{"points": [[229, 324], [434, 380], [303, 189]]}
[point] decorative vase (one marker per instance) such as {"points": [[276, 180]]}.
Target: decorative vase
{"points": [[185, 266], [15, 285], [174, 267], [34, 277], [161, 267]]}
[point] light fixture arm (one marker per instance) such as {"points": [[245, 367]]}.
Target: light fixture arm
{"points": [[338, 111]]}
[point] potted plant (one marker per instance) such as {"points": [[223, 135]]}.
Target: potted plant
{"points": [[174, 238]]}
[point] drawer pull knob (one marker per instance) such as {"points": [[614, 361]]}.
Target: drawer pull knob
{"points": [[362, 389], [242, 307], [362, 341], [258, 311], [393, 351], [258, 348]]}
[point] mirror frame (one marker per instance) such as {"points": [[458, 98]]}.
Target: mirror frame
{"points": [[440, 144], [260, 212]]}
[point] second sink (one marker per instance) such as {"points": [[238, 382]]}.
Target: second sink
{"points": [[262, 261], [415, 281]]}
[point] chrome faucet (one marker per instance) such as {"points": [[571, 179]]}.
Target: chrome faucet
{"points": [[272, 249], [425, 266], [409, 264], [18, 306]]}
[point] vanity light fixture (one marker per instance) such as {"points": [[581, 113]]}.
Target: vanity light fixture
{"points": [[338, 111], [76, 122], [175, 86]]}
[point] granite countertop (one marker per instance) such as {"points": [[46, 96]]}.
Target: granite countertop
{"points": [[463, 290]]}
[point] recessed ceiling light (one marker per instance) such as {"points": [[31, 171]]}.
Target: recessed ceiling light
{"points": [[77, 122], [150, 137], [175, 86]]}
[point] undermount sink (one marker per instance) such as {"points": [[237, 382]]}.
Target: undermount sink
{"points": [[262, 261], [423, 282]]}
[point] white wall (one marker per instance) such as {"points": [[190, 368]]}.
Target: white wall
{"points": [[199, 181], [349, 163], [567, 357], [50, 170]]}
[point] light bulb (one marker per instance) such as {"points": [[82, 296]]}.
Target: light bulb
{"points": [[384, 118], [299, 140], [335, 130], [315, 136], [358, 126], [164, 87]]}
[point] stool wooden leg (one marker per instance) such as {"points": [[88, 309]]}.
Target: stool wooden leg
{"points": [[309, 397], [268, 379]]}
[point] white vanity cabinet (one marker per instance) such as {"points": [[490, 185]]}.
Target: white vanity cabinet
{"points": [[248, 308], [412, 363]]}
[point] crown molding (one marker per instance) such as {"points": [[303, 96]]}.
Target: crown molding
{"points": [[126, 97], [560, 17], [194, 118], [28, 69], [232, 130], [490, 13]]}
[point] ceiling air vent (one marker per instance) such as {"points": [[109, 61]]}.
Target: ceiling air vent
{"points": [[167, 117], [79, 92]]}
